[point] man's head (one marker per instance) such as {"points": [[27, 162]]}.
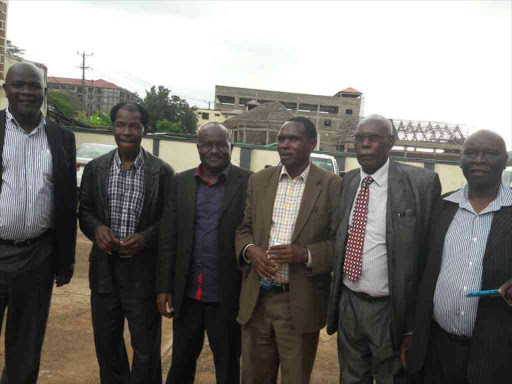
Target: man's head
{"points": [[483, 159], [214, 146], [373, 142], [25, 90], [129, 121], [295, 142]]}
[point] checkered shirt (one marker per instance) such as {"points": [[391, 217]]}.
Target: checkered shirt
{"points": [[125, 195], [286, 209]]}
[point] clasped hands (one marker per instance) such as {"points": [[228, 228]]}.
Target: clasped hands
{"points": [[107, 242], [266, 261]]}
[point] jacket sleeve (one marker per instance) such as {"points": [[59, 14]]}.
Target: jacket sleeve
{"points": [[151, 233], [244, 234], [87, 216], [167, 242], [322, 252]]}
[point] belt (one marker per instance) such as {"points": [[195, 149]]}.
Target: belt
{"points": [[22, 243], [281, 288], [458, 338], [366, 297]]}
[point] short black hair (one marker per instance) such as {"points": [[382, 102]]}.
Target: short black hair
{"points": [[130, 107], [309, 127]]}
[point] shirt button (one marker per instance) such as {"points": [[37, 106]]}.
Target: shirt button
{"points": [[474, 239], [465, 288], [462, 313], [470, 263]]}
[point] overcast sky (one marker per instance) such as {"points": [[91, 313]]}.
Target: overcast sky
{"points": [[438, 61]]}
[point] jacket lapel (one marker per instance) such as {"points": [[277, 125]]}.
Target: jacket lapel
{"points": [[231, 189], [396, 201], [311, 192], [268, 199], [500, 228], [2, 140], [51, 136], [151, 170], [103, 171]]}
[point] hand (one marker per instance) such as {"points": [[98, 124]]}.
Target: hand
{"points": [[132, 245], [105, 239], [164, 304], [404, 348], [64, 277], [259, 260], [288, 254], [506, 291]]}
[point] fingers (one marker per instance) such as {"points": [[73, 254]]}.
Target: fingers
{"points": [[62, 280], [164, 304]]}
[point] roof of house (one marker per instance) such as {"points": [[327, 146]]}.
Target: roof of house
{"points": [[267, 112], [90, 83], [351, 90]]}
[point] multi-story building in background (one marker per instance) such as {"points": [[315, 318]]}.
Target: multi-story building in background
{"points": [[3, 37], [94, 95], [332, 115]]}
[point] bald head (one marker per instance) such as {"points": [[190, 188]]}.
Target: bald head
{"points": [[485, 134], [383, 124], [23, 68], [213, 127]]}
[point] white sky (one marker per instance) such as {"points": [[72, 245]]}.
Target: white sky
{"points": [[440, 61]]}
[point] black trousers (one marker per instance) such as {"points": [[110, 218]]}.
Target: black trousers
{"points": [[188, 337], [446, 360], [109, 312], [27, 295]]}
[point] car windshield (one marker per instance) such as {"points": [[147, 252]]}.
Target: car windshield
{"points": [[323, 163], [92, 151]]}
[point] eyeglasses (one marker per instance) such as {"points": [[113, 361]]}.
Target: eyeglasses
{"points": [[371, 138]]}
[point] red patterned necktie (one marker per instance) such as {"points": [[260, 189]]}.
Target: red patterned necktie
{"points": [[354, 249]]}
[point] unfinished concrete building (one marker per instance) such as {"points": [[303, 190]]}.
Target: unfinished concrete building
{"points": [[332, 115]]}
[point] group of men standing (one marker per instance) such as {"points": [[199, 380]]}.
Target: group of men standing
{"points": [[259, 262]]}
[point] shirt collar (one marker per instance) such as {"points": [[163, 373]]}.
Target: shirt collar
{"points": [[10, 117], [303, 175], [225, 172], [503, 199], [138, 163], [380, 177]]}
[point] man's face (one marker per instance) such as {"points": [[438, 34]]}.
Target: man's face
{"points": [[214, 148], [128, 130], [293, 146], [483, 160], [25, 92], [373, 143]]}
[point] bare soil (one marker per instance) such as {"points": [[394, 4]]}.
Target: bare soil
{"points": [[68, 355]]}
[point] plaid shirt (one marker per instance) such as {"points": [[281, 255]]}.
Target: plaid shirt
{"points": [[286, 209], [125, 195]]}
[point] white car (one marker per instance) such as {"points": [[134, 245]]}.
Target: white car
{"points": [[85, 153]]}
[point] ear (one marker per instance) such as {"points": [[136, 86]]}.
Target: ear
{"points": [[392, 141], [313, 143]]}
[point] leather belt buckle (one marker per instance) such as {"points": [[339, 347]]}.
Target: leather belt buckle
{"points": [[21, 243]]}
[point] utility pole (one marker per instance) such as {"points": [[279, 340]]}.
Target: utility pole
{"points": [[83, 68]]}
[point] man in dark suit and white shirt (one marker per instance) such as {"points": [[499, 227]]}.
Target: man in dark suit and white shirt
{"points": [[37, 219], [197, 275], [459, 339], [382, 217]]}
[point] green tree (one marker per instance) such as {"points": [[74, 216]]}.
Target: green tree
{"points": [[97, 119], [61, 101], [161, 106], [167, 126], [14, 51]]}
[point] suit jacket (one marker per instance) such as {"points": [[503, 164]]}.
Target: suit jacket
{"points": [[490, 355], [177, 239], [63, 149], [412, 193], [94, 212], [309, 288]]}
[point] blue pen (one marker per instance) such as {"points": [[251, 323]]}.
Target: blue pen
{"points": [[483, 293]]}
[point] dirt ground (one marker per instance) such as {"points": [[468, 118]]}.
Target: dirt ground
{"points": [[68, 353]]}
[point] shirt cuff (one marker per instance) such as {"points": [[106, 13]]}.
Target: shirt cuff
{"points": [[244, 253], [310, 261], [410, 333]]}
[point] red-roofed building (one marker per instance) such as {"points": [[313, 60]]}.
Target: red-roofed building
{"points": [[96, 95]]}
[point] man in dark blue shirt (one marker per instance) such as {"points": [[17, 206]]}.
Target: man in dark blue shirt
{"points": [[198, 281]]}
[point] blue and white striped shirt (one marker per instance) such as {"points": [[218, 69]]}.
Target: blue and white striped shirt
{"points": [[461, 267], [26, 196]]}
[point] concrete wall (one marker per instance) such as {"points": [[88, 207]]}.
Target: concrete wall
{"points": [[182, 155]]}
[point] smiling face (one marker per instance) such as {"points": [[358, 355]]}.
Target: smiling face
{"points": [[373, 142], [128, 130], [483, 159], [214, 147], [25, 92], [294, 147]]}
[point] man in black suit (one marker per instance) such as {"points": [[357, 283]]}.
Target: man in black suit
{"points": [[198, 281], [459, 339], [122, 199], [37, 219], [382, 218]]}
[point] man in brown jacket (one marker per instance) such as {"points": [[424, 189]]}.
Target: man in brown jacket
{"points": [[286, 252]]}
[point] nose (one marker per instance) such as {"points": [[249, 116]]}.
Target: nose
{"points": [[479, 158], [366, 142]]}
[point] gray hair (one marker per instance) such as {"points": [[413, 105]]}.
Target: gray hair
{"points": [[380, 120]]}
